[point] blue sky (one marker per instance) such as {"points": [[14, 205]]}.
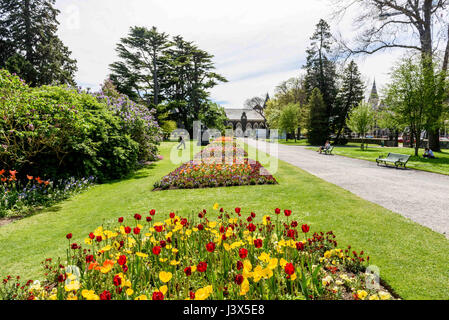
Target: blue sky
{"points": [[256, 44]]}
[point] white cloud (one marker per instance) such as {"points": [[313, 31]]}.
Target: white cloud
{"points": [[256, 44]]}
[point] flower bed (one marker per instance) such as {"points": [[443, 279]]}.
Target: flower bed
{"points": [[218, 165], [196, 258], [18, 197]]}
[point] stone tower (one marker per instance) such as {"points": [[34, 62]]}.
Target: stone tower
{"points": [[374, 97]]}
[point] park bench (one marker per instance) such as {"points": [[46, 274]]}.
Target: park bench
{"points": [[327, 151], [399, 160]]}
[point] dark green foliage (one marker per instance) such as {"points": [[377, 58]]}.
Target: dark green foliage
{"points": [[29, 45], [171, 76], [317, 126], [320, 69], [349, 96], [60, 132], [213, 116]]}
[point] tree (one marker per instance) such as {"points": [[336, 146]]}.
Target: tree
{"points": [[361, 119], [273, 113], [419, 25], [288, 120], [258, 104], [174, 77], [349, 96], [137, 74], [387, 119], [411, 96], [213, 116], [29, 45], [292, 91], [317, 126], [320, 69]]}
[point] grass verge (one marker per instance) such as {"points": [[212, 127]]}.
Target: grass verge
{"points": [[412, 259]]}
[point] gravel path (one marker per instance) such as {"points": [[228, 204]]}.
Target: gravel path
{"points": [[420, 196]]}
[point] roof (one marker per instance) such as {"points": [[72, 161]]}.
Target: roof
{"points": [[236, 114]]}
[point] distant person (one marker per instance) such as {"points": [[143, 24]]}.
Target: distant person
{"points": [[181, 142], [428, 153], [326, 146]]}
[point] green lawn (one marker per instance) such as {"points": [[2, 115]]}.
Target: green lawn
{"points": [[439, 165], [412, 259]]}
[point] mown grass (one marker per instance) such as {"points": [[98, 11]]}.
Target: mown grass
{"points": [[412, 259], [438, 165]]}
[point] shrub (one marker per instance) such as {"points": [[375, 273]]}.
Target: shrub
{"points": [[61, 132]]}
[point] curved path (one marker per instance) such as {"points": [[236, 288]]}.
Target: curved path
{"points": [[420, 196]]}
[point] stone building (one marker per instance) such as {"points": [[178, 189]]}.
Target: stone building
{"points": [[242, 120]]}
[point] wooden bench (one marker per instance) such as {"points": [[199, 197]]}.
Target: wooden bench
{"points": [[327, 151], [398, 160]]}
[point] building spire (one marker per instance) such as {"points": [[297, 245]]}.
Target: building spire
{"points": [[374, 96]]}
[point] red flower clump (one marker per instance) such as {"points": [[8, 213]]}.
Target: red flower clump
{"points": [[121, 260], [243, 253], [289, 269], [258, 243], [305, 228], [188, 271], [106, 295], [157, 295], [117, 280], [202, 266], [156, 250], [238, 279], [137, 216], [210, 247]]}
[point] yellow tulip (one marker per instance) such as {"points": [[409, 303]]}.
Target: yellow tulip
{"points": [[165, 276]]}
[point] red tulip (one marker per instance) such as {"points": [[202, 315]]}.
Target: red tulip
{"points": [[156, 250], [305, 228], [210, 247], [243, 253], [289, 269]]}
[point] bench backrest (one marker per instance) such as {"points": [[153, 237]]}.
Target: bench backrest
{"points": [[398, 157]]}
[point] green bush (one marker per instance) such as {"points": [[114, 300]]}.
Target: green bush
{"points": [[58, 131]]}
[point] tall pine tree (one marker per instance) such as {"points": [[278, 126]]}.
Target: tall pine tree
{"points": [[29, 44], [349, 96], [320, 69]]}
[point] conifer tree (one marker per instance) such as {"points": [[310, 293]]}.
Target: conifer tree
{"points": [[29, 44], [317, 126], [349, 96], [320, 69]]}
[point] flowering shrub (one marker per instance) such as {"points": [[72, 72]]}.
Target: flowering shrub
{"points": [[63, 132], [230, 258], [139, 121], [218, 165], [18, 197]]}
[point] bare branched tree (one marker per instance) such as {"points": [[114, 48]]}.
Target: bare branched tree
{"points": [[258, 105], [417, 25]]}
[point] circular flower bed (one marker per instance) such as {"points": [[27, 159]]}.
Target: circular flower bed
{"points": [[230, 258]]}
